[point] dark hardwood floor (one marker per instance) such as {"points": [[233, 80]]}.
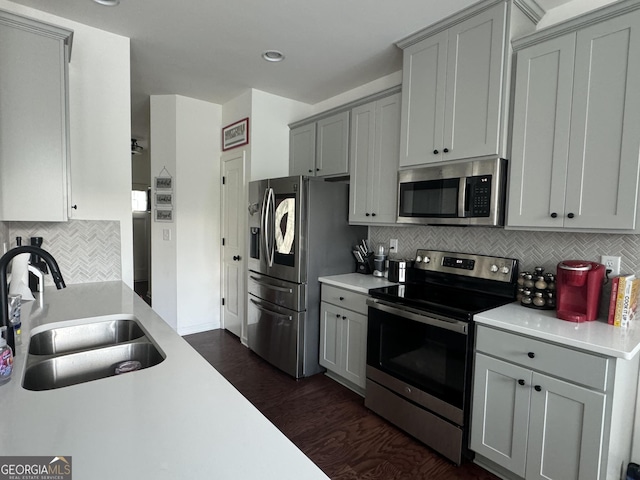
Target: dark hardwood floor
{"points": [[327, 421]]}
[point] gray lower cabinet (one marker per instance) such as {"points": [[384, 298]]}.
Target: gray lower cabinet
{"points": [[34, 127], [343, 336], [576, 124], [543, 411], [320, 148], [375, 142]]}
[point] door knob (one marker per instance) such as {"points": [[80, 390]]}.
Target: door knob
{"points": [[236, 258]]}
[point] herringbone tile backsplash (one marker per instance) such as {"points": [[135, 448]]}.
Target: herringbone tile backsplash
{"points": [[532, 249], [86, 250]]}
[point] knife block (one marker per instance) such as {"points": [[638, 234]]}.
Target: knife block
{"points": [[366, 267]]}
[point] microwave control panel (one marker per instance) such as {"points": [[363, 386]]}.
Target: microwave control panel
{"points": [[478, 196]]}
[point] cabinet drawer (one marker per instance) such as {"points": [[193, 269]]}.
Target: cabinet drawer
{"points": [[345, 298], [578, 367]]}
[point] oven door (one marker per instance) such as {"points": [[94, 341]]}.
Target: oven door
{"points": [[420, 357]]}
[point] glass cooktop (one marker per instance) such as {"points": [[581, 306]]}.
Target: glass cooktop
{"points": [[447, 301]]}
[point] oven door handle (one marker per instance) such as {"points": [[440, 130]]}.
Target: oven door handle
{"points": [[453, 325]]}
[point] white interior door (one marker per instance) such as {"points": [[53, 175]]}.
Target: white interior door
{"points": [[233, 249]]}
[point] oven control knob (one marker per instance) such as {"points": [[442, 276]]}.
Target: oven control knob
{"points": [[418, 259], [494, 268], [505, 270], [426, 260], [407, 390]]}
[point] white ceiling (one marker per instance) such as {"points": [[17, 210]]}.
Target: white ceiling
{"points": [[211, 49]]}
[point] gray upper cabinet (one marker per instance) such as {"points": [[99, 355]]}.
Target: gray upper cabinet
{"points": [[302, 150], [455, 79], [34, 120], [375, 138], [576, 124], [320, 148]]}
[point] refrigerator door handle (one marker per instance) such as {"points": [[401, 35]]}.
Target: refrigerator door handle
{"points": [[272, 287], [271, 214], [264, 220], [270, 312]]}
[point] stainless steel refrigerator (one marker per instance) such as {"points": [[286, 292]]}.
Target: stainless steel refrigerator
{"points": [[298, 231]]}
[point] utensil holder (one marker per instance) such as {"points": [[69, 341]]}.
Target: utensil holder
{"points": [[366, 267]]}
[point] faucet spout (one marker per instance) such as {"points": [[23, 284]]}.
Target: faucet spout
{"points": [[4, 263]]}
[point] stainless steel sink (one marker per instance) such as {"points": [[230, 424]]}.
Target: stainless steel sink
{"points": [[81, 337], [74, 368]]}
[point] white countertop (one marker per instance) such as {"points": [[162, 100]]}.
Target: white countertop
{"points": [[179, 419], [356, 281], [597, 336]]}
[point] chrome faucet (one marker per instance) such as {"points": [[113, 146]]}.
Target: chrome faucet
{"points": [[4, 263]]}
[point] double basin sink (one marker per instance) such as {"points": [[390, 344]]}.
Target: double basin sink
{"points": [[100, 348]]}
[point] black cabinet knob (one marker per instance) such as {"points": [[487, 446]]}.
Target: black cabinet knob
{"points": [[435, 152], [531, 355], [446, 150], [236, 258], [310, 171], [344, 318], [521, 382], [538, 388], [554, 215], [373, 214], [366, 214], [317, 169], [75, 207], [570, 215], [337, 315], [341, 298]]}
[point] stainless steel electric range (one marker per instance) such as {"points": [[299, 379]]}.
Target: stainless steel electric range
{"points": [[420, 344]]}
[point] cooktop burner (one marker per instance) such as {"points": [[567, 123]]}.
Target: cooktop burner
{"points": [[454, 285]]}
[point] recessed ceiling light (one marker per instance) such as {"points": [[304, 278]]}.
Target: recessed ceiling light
{"points": [[273, 56], [108, 3]]}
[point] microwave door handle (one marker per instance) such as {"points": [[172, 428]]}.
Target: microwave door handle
{"points": [[463, 196]]}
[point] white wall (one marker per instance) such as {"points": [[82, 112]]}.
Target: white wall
{"points": [[100, 126], [570, 10], [186, 268], [271, 116]]}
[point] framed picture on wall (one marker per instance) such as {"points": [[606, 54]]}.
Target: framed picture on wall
{"points": [[164, 183], [164, 215], [235, 135], [164, 199]]}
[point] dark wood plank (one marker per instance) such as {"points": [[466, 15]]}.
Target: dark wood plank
{"points": [[327, 421]]}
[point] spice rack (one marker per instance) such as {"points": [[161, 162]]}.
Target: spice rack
{"points": [[537, 289]]}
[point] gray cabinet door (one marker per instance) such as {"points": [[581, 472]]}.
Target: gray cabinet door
{"points": [[332, 149], [33, 130], [354, 341], [565, 431], [540, 140], [375, 136], [500, 412], [361, 158], [605, 121], [424, 74], [475, 63], [302, 150], [331, 337]]}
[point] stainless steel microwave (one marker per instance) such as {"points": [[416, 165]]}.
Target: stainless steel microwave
{"points": [[462, 193]]}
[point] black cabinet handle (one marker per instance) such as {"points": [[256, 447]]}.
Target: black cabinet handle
{"points": [[366, 214], [570, 215], [310, 171], [344, 318], [521, 382], [531, 355], [435, 152], [337, 315], [75, 207], [554, 215], [317, 169], [373, 214], [341, 298], [446, 150], [538, 388]]}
